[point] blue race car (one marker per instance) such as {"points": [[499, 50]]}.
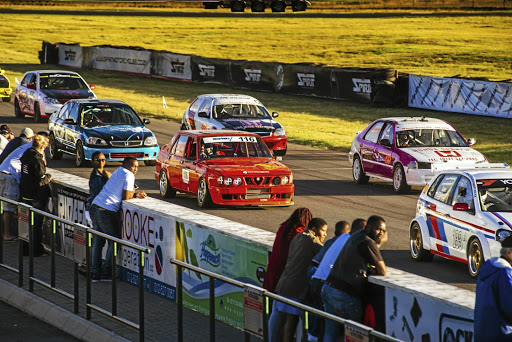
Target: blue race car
{"points": [[84, 126]]}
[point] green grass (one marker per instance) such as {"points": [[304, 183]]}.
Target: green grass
{"points": [[477, 46]]}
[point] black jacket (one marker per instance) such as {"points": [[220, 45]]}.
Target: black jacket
{"points": [[33, 175]]}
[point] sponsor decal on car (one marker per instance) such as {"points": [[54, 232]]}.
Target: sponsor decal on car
{"points": [[229, 139]]}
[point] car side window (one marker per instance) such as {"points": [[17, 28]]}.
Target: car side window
{"points": [[463, 193], [205, 107], [191, 149], [64, 112], [373, 134], [194, 107], [433, 187], [444, 189], [387, 133], [29, 79], [73, 112], [181, 145]]}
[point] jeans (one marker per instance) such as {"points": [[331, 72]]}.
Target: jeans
{"points": [[275, 323], [341, 304], [108, 222]]}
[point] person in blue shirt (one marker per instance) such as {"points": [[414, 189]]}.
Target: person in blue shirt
{"points": [[493, 305]]}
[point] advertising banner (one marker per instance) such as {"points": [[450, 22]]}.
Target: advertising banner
{"points": [[70, 55], [255, 75], [157, 233], [211, 70], [171, 65], [306, 79], [237, 259], [415, 318], [124, 60], [461, 95]]}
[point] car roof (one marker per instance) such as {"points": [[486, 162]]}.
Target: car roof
{"points": [[54, 72], [406, 123], [218, 132], [231, 98], [484, 173], [98, 101]]}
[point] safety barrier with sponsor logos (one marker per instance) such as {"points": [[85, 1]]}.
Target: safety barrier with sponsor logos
{"points": [[406, 306]]}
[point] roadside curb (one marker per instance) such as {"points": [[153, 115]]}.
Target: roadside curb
{"points": [[51, 313]]}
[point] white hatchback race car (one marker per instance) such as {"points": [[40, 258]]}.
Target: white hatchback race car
{"points": [[463, 215], [238, 112]]}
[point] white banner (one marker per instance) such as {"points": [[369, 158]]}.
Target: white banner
{"points": [[420, 318], [173, 66], [460, 95], [124, 60], [71, 55]]}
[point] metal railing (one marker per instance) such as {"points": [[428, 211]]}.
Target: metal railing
{"points": [[89, 232], [374, 335]]}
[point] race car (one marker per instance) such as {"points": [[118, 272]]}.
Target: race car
{"points": [[223, 167], [463, 215], [5, 87], [85, 126], [238, 112], [43, 92], [405, 150]]}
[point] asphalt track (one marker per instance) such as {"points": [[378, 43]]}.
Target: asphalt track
{"points": [[323, 181]]}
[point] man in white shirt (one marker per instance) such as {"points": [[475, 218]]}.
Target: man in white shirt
{"points": [[105, 214], [5, 136]]}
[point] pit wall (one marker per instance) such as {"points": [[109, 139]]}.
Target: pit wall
{"points": [[407, 306]]}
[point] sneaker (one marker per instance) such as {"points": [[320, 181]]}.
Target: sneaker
{"points": [[312, 338], [105, 277], [96, 278]]}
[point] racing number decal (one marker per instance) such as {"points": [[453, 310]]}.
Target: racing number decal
{"points": [[459, 239], [185, 175], [387, 159], [448, 154]]}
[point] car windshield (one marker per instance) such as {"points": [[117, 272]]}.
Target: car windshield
{"points": [[495, 195], [233, 147], [240, 111], [429, 138], [108, 114], [62, 82], [4, 83]]}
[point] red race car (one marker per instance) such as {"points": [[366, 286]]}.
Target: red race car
{"points": [[223, 167]]}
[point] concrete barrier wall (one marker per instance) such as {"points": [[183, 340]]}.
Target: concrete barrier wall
{"points": [[415, 308]]}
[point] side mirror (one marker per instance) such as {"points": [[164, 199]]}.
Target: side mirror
{"points": [[146, 121], [385, 142], [203, 115], [69, 122], [92, 86], [460, 207], [471, 141], [31, 86], [275, 114]]}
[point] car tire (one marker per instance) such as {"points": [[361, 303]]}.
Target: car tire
{"points": [[299, 6], [399, 181], [475, 257], [79, 155], [278, 6], [418, 253], [17, 110], [204, 199], [165, 188], [150, 162], [258, 6], [6, 99], [237, 6], [55, 153], [357, 172], [37, 113]]}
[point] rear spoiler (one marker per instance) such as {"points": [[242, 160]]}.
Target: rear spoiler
{"points": [[443, 167]]}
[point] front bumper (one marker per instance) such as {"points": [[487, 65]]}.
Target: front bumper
{"points": [[5, 92], [418, 177], [276, 142], [118, 154], [47, 109], [278, 195]]}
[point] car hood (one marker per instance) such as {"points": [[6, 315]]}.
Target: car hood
{"points": [[248, 124], [247, 167], [495, 217], [121, 132], [444, 154], [67, 94]]}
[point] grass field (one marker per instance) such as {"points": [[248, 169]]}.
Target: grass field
{"points": [[477, 46]]}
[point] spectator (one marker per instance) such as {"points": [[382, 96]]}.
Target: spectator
{"points": [[345, 289], [34, 186], [5, 136], [294, 283], [97, 179], [493, 306], [25, 136], [10, 174], [322, 264], [105, 214]]}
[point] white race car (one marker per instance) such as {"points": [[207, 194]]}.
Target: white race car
{"points": [[463, 215], [238, 112]]}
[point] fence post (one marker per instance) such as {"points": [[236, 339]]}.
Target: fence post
{"points": [[113, 266], [88, 273], [52, 242], [76, 288], [212, 309], [2, 231], [265, 319], [141, 296], [31, 251], [179, 300]]}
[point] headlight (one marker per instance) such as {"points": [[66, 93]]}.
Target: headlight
{"points": [[50, 100], [150, 141], [228, 181], [237, 181], [279, 131], [96, 141], [220, 180], [285, 180], [502, 234], [413, 165], [276, 181]]}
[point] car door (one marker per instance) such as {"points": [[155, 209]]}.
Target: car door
{"points": [[204, 122], [383, 153], [367, 149], [59, 128], [176, 160], [25, 93], [71, 133], [190, 175]]}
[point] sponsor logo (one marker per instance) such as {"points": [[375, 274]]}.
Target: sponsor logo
{"points": [[306, 80], [453, 328], [159, 258], [362, 86], [177, 67], [448, 154], [122, 60], [252, 75], [210, 251], [206, 70], [70, 55]]}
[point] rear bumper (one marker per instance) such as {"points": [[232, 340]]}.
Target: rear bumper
{"points": [[118, 154], [281, 195]]}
